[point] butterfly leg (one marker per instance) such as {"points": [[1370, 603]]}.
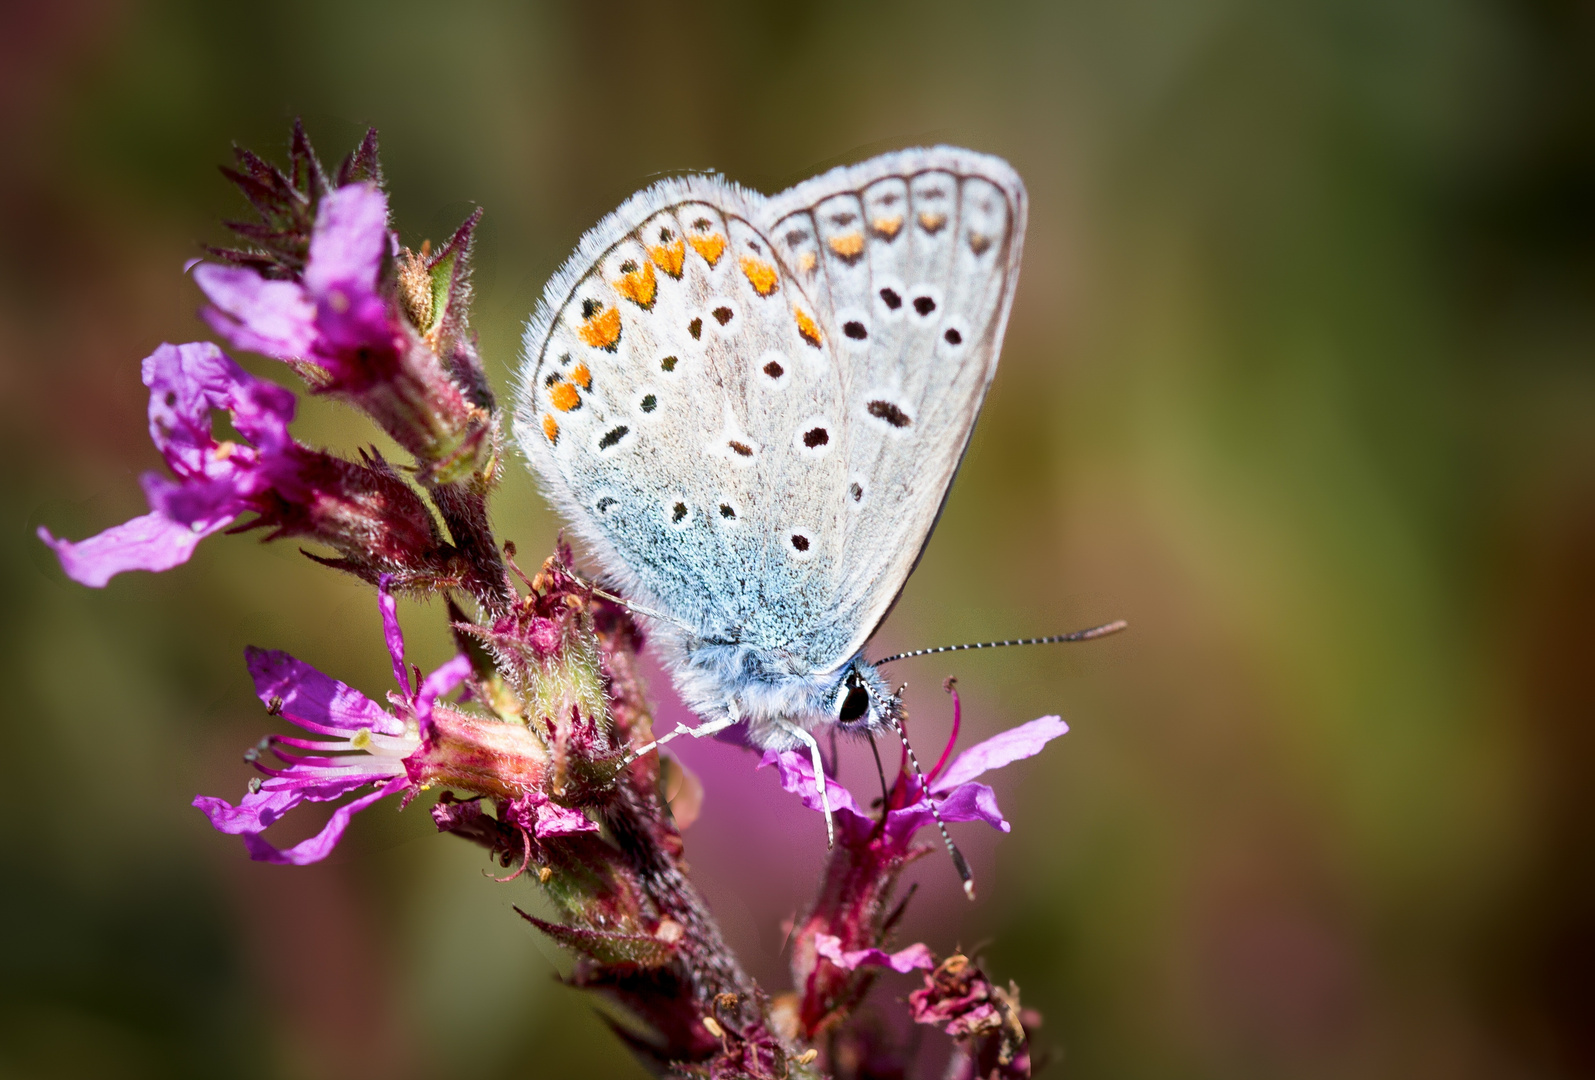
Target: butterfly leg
{"points": [[819, 775], [711, 728]]}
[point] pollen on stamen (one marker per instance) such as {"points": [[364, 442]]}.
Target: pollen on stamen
{"points": [[361, 740]]}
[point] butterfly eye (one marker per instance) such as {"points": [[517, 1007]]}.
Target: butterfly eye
{"points": [[856, 703]]}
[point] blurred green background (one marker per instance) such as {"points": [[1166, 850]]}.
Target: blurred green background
{"points": [[1298, 380]]}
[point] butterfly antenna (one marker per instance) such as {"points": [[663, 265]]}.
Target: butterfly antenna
{"points": [[959, 862], [1079, 635]]}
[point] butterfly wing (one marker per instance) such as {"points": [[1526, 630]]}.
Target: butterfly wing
{"points": [[681, 406], [751, 409], [912, 260]]}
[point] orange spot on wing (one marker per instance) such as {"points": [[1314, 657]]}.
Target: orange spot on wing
{"points": [[848, 245], [886, 227], [806, 327], [602, 329], [761, 275], [581, 376], [550, 427], [638, 286], [669, 257], [710, 247], [564, 397], [931, 222], [806, 261]]}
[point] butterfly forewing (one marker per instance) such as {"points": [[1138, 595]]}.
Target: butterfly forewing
{"points": [[751, 409], [704, 389]]}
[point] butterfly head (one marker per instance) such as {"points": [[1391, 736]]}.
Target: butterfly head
{"points": [[863, 701]]}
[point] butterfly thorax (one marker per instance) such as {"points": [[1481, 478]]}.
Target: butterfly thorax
{"points": [[765, 686]]}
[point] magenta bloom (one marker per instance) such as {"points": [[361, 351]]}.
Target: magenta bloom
{"points": [[333, 317], [366, 511], [339, 325], [363, 744], [216, 481], [957, 794]]}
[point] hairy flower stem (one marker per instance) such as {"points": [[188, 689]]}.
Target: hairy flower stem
{"points": [[486, 578]]}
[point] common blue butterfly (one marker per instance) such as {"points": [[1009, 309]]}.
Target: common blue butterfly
{"points": [[751, 409]]}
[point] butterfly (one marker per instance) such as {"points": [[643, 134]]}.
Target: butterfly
{"points": [[750, 409]]}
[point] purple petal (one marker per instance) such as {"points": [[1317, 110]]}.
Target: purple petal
{"points": [[314, 701], [442, 681], [967, 802], [186, 383], [151, 542], [318, 847], [260, 809], [273, 318], [999, 750], [350, 237], [392, 632], [556, 820], [198, 504], [797, 776], [915, 956]]}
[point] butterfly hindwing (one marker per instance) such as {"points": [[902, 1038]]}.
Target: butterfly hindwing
{"points": [[914, 258]]}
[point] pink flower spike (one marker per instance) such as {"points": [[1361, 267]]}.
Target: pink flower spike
{"points": [[915, 957]]}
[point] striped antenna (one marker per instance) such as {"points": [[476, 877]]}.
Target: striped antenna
{"points": [[959, 862], [1079, 635]]}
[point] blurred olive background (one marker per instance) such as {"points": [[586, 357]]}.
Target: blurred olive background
{"points": [[1298, 380]]}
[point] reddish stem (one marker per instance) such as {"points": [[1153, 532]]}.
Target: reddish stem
{"points": [[951, 686]]}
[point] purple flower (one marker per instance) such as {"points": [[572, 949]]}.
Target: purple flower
{"points": [[362, 745], [216, 481], [957, 794], [339, 325], [366, 511], [334, 312]]}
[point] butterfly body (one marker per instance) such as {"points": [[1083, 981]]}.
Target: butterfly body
{"points": [[750, 409]]}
